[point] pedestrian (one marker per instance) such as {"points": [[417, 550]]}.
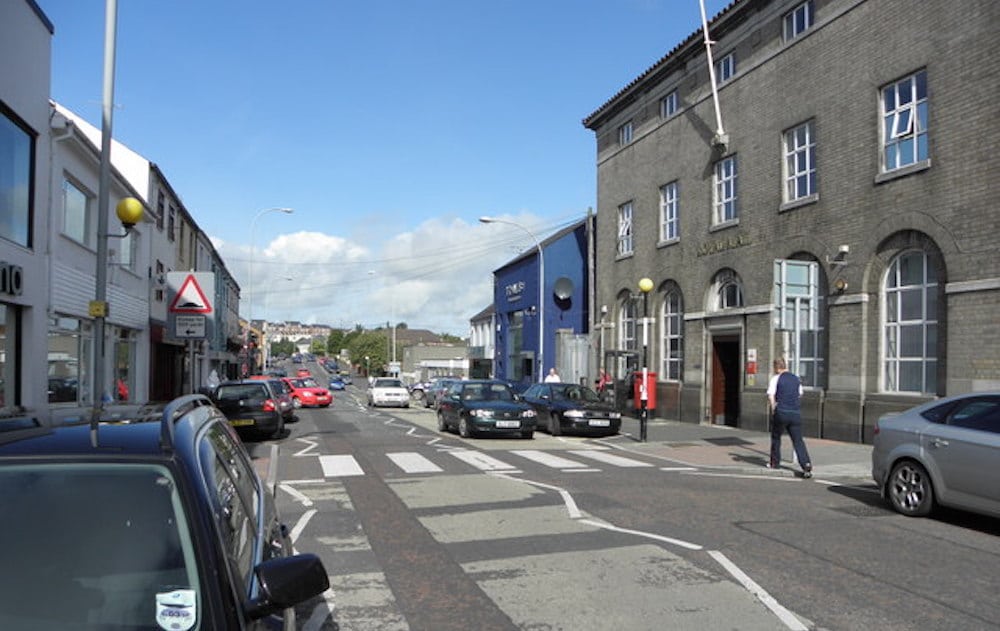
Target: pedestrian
{"points": [[783, 393], [552, 377]]}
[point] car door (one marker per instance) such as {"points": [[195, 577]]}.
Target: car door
{"points": [[966, 451]]}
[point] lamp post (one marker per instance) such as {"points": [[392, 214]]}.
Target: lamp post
{"points": [[541, 291], [253, 228], [390, 344], [645, 286]]}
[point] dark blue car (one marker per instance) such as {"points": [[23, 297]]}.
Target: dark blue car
{"points": [[483, 406]]}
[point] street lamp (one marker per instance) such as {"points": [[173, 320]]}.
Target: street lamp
{"points": [[253, 228], [541, 290], [645, 286]]}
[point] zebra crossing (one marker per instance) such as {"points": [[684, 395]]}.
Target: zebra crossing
{"points": [[412, 462]]}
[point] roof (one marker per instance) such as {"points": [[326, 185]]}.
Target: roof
{"points": [[559, 234]]}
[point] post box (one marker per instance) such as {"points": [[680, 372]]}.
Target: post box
{"points": [[650, 390]]}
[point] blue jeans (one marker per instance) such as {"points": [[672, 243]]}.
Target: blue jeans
{"points": [[790, 420]]}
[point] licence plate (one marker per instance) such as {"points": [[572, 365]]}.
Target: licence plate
{"points": [[508, 424], [599, 423], [241, 422]]}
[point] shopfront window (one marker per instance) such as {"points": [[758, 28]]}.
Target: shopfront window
{"points": [[124, 365], [8, 356], [70, 341], [515, 345]]}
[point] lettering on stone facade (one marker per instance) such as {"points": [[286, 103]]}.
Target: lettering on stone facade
{"points": [[721, 245]]}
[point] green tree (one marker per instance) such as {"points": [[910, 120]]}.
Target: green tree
{"points": [[369, 344], [318, 347]]}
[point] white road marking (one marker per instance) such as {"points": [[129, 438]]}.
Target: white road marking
{"points": [[300, 525], [340, 466], [640, 533], [307, 451], [481, 461], [300, 497], [548, 459], [568, 501], [678, 468], [412, 462], [748, 583], [606, 458]]}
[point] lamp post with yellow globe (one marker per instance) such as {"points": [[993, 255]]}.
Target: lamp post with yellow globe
{"points": [[645, 286]]}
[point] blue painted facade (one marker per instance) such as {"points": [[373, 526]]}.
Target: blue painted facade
{"points": [[516, 296]]}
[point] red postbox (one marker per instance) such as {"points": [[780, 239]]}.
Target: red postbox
{"points": [[637, 388]]}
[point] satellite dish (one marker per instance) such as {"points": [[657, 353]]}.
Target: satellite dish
{"points": [[563, 288]]}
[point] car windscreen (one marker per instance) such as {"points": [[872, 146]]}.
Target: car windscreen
{"points": [[96, 546], [574, 393]]}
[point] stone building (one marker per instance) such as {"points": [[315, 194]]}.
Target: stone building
{"points": [[835, 205]]}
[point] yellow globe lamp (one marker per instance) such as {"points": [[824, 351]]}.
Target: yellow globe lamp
{"points": [[129, 211], [645, 285]]}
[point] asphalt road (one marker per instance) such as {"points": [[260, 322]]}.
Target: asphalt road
{"points": [[427, 531]]}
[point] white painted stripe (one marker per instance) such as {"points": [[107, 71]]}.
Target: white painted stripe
{"points": [[340, 466], [481, 461], [678, 468], [307, 451], [548, 459], [612, 459], [639, 533], [748, 583], [412, 462], [301, 524], [298, 495], [568, 501]]}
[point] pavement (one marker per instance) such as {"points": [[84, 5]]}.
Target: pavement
{"points": [[737, 450]]}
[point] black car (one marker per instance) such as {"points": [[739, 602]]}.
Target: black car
{"points": [[250, 405], [157, 520], [568, 407], [484, 406]]}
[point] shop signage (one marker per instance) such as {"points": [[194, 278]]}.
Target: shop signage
{"points": [[731, 243], [514, 290], [11, 279]]}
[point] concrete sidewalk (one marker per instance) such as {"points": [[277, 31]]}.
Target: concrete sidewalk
{"points": [[740, 450]]}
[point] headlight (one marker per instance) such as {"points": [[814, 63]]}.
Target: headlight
{"points": [[528, 414], [574, 414], [615, 415], [482, 413]]}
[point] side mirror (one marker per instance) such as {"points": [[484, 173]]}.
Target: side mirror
{"points": [[286, 582]]}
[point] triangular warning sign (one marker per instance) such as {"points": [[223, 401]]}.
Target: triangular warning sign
{"points": [[190, 298]]}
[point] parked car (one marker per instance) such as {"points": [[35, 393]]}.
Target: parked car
{"points": [[302, 373], [943, 452], [388, 391], [250, 405], [282, 394], [436, 389], [569, 407], [484, 406], [336, 383], [346, 377], [155, 521], [306, 393]]}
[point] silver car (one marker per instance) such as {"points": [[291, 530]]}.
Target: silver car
{"points": [[943, 452]]}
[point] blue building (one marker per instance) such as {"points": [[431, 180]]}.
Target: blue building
{"points": [[562, 317]]}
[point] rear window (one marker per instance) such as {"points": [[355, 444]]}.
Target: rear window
{"points": [[388, 383], [241, 392], [95, 546]]}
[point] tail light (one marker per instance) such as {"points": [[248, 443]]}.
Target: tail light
{"points": [[269, 405]]}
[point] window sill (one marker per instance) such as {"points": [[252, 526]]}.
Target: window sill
{"points": [[732, 223], [909, 169], [798, 203], [622, 257], [668, 242]]}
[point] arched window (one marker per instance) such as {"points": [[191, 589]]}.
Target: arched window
{"points": [[910, 317], [672, 328], [626, 324], [728, 291]]}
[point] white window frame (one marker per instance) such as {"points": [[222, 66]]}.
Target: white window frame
{"points": [[627, 323], [669, 105], [904, 106], [798, 305], [799, 165], [625, 133], [672, 331], [77, 221], [728, 291], [798, 21], [670, 226], [725, 68], [898, 321], [625, 244], [725, 201]]}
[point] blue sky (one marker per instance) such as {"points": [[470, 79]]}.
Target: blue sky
{"points": [[389, 126]]}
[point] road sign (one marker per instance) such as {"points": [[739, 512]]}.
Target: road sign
{"points": [[189, 326], [192, 292]]}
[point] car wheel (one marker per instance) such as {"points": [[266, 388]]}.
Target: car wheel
{"points": [[555, 428], [528, 434], [909, 489], [418, 395], [296, 403], [463, 428], [442, 425]]}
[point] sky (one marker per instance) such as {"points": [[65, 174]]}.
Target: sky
{"points": [[387, 126]]}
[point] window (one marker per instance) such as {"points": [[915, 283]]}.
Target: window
{"points": [[625, 133], [904, 122], [160, 203], [668, 105], [70, 341], [798, 20], [124, 386], [798, 308], [672, 350], [9, 356], [910, 325], [625, 229], [235, 498], [726, 209], [728, 290], [17, 157], [800, 162], [725, 68], [171, 222], [626, 324], [669, 220], [77, 214], [126, 250], [515, 346]]}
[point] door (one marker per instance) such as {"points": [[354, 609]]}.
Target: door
{"points": [[726, 380]]}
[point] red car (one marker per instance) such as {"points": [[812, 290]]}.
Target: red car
{"points": [[307, 393], [303, 372]]}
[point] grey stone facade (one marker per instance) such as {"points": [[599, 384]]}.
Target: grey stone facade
{"points": [[867, 221]]}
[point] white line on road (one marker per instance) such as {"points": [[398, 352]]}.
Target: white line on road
{"points": [[340, 466], [678, 468], [311, 445], [787, 617], [640, 533], [412, 462], [300, 525], [481, 461], [607, 458], [548, 459], [568, 501], [300, 497]]}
